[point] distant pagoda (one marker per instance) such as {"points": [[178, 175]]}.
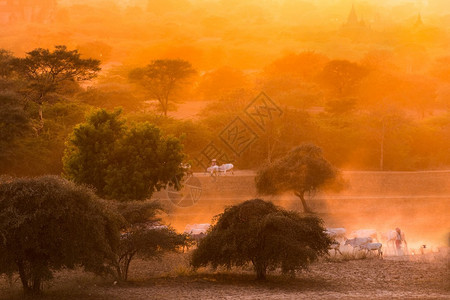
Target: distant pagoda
{"points": [[352, 21], [419, 22]]}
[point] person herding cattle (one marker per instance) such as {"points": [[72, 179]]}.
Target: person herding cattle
{"points": [[215, 169], [213, 162], [399, 238]]}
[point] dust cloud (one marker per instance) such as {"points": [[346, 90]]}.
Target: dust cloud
{"points": [[416, 202]]}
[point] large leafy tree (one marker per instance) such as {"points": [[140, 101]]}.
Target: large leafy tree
{"points": [[90, 148], [161, 79], [47, 223], [45, 72], [265, 235], [122, 161], [302, 170]]}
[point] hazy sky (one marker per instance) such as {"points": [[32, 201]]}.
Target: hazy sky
{"points": [[442, 5]]}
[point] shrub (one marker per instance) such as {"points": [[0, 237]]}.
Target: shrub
{"points": [[266, 235]]}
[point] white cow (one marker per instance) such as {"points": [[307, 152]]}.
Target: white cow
{"points": [[372, 247], [226, 167], [336, 233], [357, 242], [215, 170], [335, 245], [362, 233]]}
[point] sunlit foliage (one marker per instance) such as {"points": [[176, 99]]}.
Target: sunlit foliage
{"points": [[122, 161], [162, 78], [302, 170], [44, 72]]}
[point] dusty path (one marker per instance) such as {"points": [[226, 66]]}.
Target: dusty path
{"points": [[424, 277]]}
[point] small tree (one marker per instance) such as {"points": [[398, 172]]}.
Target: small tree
{"points": [[45, 72], [161, 78], [122, 162], [302, 170], [143, 236], [265, 235], [47, 224]]}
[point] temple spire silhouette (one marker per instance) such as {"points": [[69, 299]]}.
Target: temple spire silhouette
{"points": [[352, 19], [418, 21], [353, 23]]}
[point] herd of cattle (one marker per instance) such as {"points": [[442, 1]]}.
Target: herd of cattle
{"points": [[368, 240], [360, 240]]}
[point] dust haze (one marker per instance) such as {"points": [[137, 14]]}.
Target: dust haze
{"points": [[399, 52], [246, 35], [416, 202]]}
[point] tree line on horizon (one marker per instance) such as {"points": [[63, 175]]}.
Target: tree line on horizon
{"points": [[362, 116]]}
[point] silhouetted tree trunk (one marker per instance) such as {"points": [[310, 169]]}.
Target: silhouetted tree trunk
{"points": [[36, 289], [23, 277], [301, 195], [382, 146], [261, 270]]}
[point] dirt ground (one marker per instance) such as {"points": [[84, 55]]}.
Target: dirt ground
{"points": [[342, 277]]}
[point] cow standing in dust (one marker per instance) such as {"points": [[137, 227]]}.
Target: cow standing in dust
{"points": [[372, 247], [224, 168], [336, 235]]}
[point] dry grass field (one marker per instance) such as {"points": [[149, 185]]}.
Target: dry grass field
{"points": [[424, 276]]}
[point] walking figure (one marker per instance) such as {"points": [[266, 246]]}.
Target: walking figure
{"points": [[399, 239]]}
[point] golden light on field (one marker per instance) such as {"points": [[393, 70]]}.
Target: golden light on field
{"points": [[256, 136], [368, 81]]}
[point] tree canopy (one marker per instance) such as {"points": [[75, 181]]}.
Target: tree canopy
{"points": [[13, 125], [161, 78], [265, 235], [44, 72], [302, 170], [343, 76], [122, 161], [47, 223], [6, 64]]}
